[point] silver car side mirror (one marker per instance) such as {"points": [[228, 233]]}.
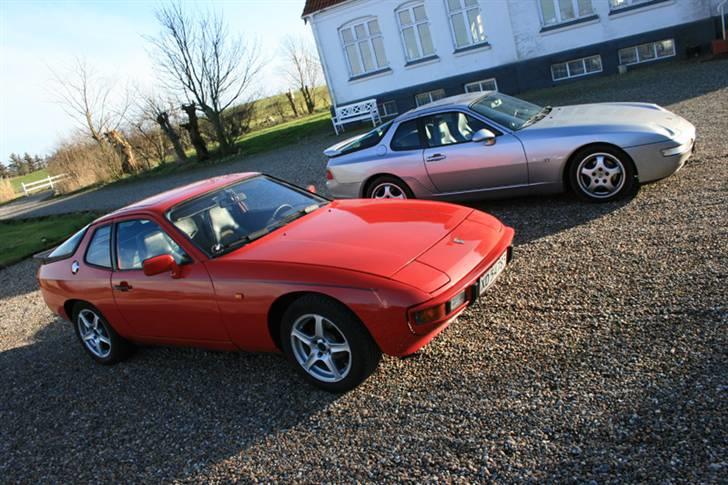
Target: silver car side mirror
{"points": [[486, 136]]}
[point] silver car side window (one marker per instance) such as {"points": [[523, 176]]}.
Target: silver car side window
{"points": [[407, 136], [451, 128]]}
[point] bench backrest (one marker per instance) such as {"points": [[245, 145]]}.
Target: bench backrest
{"points": [[357, 109]]}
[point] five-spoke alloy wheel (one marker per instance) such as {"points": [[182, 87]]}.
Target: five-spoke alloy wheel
{"points": [[97, 337], [601, 174], [327, 343], [388, 187]]}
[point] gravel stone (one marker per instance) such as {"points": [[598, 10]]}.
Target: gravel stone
{"points": [[599, 356]]}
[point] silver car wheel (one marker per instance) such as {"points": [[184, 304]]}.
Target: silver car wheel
{"points": [[388, 190], [600, 175], [320, 348], [93, 333]]}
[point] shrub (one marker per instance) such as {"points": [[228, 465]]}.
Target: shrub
{"points": [[85, 163], [6, 190]]}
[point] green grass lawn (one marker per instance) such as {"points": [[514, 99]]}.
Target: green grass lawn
{"points": [[21, 238], [283, 134], [31, 177]]}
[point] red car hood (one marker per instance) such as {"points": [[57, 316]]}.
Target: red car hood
{"points": [[376, 237]]}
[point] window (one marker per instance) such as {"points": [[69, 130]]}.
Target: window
{"points": [[430, 96], [507, 111], [484, 85], [388, 108], [363, 46], [407, 137], [99, 249], [415, 31], [367, 141], [618, 4], [450, 128], [141, 239], [69, 247], [554, 12], [466, 22], [647, 52], [576, 68]]}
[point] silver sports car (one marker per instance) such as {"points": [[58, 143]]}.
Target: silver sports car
{"points": [[489, 144]]}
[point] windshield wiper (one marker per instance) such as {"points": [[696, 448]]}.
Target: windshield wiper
{"points": [[537, 117]]}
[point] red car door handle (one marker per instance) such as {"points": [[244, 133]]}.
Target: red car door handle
{"points": [[123, 286], [436, 157]]}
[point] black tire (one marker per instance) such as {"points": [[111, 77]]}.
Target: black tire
{"points": [[116, 350], [364, 354], [624, 182], [394, 183]]}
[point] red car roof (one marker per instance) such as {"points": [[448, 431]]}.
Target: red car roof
{"points": [[164, 201]]}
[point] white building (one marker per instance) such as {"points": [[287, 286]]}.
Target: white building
{"points": [[405, 53]]}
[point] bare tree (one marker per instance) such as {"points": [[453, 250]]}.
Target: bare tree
{"points": [[199, 59], [303, 68], [153, 109]]}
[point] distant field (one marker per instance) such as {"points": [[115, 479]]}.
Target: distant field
{"points": [[31, 177]]}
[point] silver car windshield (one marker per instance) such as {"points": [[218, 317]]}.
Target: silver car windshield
{"points": [[507, 111]]}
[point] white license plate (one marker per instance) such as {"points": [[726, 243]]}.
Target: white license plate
{"points": [[490, 276]]}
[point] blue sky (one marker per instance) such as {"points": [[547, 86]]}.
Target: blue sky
{"points": [[37, 36]]}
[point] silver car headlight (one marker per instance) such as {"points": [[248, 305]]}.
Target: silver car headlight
{"points": [[678, 150]]}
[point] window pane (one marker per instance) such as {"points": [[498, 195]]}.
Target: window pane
{"points": [[422, 99], [437, 94], [366, 56], [406, 137], [566, 8], [426, 39], [69, 246], [379, 51], [360, 31], [347, 35], [470, 3], [453, 5], [99, 249], [576, 68], [404, 17], [410, 44], [549, 12], [558, 71], [353, 55], [646, 51], [476, 25], [665, 48], [585, 7], [420, 13], [143, 239], [374, 27], [488, 85], [461, 34], [628, 55], [450, 128], [472, 87], [593, 64]]}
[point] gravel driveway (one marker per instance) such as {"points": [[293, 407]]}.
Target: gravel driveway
{"points": [[600, 355]]}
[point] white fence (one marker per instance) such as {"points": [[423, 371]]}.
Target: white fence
{"points": [[46, 183]]}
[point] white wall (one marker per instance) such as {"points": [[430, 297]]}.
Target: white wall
{"points": [[327, 22], [526, 22]]}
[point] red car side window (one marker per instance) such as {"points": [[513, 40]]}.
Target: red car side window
{"points": [[141, 239]]}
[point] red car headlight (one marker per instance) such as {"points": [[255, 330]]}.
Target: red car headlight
{"points": [[440, 311]]}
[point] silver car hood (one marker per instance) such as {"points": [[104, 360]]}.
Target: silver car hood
{"points": [[615, 117]]}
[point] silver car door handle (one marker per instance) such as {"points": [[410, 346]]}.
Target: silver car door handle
{"points": [[436, 157]]}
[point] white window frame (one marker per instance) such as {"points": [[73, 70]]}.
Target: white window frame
{"points": [[557, 10], [654, 50], [583, 62], [369, 39], [463, 9], [385, 112], [429, 95], [624, 4], [479, 85], [410, 6]]}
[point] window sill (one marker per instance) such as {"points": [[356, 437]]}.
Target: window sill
{"points": [[571, 23], [367, 75], [421, 61], [639, 6], [470, 48]]}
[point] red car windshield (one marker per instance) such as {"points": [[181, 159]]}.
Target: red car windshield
{"points": [[225, 219]]}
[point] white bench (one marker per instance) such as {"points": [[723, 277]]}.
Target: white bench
{"points": [[363, 110]]}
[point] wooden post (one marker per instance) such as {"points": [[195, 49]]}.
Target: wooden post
{"points": [[50, 181], [25, 191]]}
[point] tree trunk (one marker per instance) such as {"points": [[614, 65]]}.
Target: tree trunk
{"points": [[193, 127], [168, 129], [308, 99], [292, 101], [215, 118], [128, 160]]}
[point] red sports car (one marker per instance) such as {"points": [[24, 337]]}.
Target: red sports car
{"points": [[250, 262]]}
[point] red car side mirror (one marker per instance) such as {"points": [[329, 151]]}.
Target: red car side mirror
{"points": [[161, 264]]}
